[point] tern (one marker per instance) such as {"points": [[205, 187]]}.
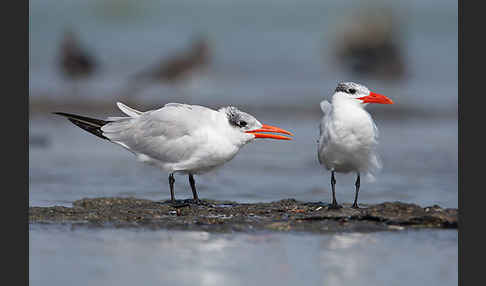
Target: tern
{"points": [[179, 66], [75, 62], [371, 45], [348, 134], [180, 138]]}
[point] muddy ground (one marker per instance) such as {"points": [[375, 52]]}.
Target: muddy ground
{"points": [[223, 216]]}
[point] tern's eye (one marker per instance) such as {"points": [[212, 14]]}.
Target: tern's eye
{"points": [[352, 91], [242, 123]]}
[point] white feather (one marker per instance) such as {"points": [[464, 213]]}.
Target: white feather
{"points": [[348, 138], [115, 118], [125, 109], [177, 137], [325, 107], [128, 110]]}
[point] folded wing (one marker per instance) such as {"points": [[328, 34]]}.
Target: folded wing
{"points": [[168, 134]]}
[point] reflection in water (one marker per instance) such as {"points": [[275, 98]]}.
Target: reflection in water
{"points": [[401, 258], [264, 56], [344, 268], [128, 257]]}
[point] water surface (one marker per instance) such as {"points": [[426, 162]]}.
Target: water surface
{"points": [[60, 256], [274, 55]]}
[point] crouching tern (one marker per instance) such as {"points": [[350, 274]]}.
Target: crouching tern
{"points": [[348, 135], [180, 138]]}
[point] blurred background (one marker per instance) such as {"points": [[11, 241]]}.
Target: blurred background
{"points": [[276, 59]]}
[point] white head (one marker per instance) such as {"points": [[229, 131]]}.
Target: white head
{"points": [[354, 93], [247, 126]]}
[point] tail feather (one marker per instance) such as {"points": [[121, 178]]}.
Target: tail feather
{"points": [[91, 125], [128, 110]]}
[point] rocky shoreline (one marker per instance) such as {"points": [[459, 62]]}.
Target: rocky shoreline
{"points": [[225, 216]]}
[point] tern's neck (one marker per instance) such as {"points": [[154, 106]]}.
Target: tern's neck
{"points": [[348, 110], [339, 101]]}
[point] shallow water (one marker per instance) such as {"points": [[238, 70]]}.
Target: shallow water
{"points": [[420, 166], [66, 256], [419, 158], [274, 55]]}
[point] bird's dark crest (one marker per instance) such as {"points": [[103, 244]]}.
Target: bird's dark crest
{"points": [[233, 115], [346, 86], [341, 87]]}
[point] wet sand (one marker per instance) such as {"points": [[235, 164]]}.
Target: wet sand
{"points": [[225, 216]]}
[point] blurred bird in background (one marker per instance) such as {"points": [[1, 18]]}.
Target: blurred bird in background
{"points": [[75, 61], [368, 44], [172, 70], [179, 66]]}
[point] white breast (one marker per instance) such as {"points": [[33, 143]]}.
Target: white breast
{"points": [[348, 137]]}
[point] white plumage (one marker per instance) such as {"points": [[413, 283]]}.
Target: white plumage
{"points": [[348, 137], [177, 138], [180, 138], [348, 134]]}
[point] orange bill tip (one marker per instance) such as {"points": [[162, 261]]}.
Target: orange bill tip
{"points": [[272, 129], [272, 136]]}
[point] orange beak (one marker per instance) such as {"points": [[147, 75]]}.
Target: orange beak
{"points": [[268, 128], [376, 98]]}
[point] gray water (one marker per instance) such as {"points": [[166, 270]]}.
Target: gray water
{"points": [[274, 58], [419, 166], [263, 52], [64, 256]]}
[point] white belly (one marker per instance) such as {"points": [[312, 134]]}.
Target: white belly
{"points": [[350, 144], [345, 159], [207, 157]]}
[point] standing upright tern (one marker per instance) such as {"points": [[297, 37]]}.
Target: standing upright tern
{"points": [[180, 138], [348, 135]]}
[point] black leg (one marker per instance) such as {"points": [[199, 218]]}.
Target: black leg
{"points": [[334, 204], [193, 187], [171, 185], [355, 204]]}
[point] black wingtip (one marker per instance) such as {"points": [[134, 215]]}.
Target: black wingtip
{"points": [[91, 125], [64, 114]]}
